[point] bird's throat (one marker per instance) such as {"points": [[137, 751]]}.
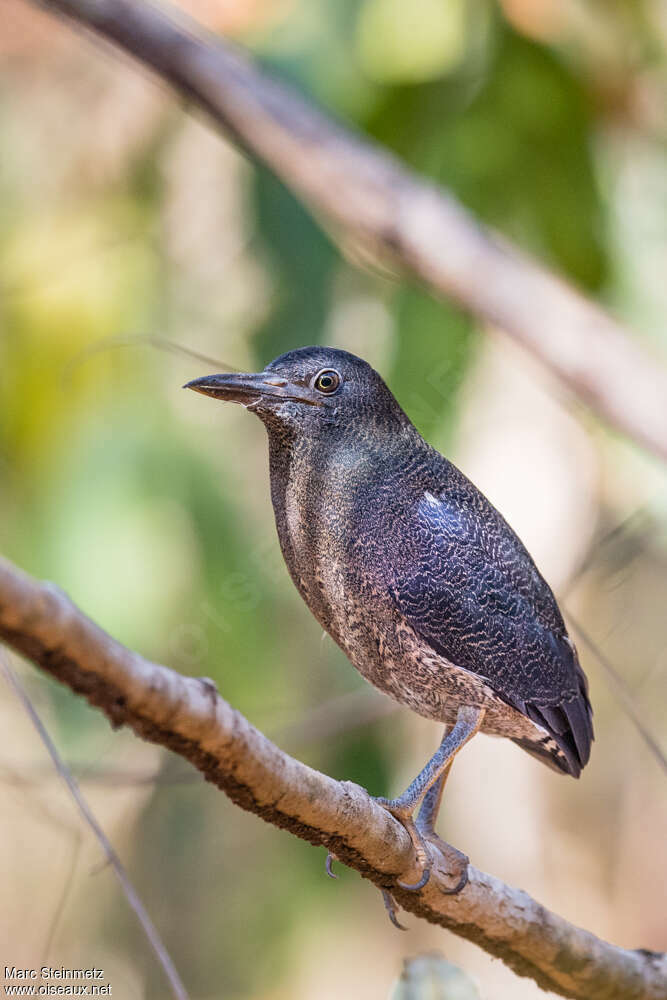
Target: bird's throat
{"points": [[315, 492]]}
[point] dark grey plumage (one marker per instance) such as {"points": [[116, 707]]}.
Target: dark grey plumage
{"points": [[406, 564]]}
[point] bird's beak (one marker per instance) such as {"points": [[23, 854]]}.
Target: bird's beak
{"points": [[246, 388]]}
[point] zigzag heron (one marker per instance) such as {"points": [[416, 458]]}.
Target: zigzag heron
{"points": [[413, 572]]}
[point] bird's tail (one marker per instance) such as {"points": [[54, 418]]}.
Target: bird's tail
{"points": [[548, 751]]}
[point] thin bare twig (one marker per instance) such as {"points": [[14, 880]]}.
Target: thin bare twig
{"points": [[138, 340], [376, 204], [189, 717], [130, 893], [63, 897], [620, 689]]}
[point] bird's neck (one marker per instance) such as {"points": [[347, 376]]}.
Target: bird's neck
{"points": [[337, 463], [317, 482]]}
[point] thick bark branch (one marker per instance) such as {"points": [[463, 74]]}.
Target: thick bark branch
{"points": [[189, 717], [379, 206]]}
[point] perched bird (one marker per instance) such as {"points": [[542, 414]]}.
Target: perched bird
{"points": [[413, 572]]}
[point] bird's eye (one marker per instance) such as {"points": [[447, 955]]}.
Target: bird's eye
{"points": [[327, 381]]}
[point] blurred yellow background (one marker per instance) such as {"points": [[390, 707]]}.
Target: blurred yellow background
{"points": [[121, 215]]}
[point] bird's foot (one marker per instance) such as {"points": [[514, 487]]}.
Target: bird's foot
{"points": [[399, 811], [456, 862]]}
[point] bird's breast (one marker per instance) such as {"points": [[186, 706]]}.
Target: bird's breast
{"points": [[315, 499]]}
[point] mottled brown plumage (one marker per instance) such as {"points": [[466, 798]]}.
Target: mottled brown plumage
{"points": [[408, 566]]}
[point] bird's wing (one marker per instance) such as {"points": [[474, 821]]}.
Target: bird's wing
{"points": [[468, 587]]}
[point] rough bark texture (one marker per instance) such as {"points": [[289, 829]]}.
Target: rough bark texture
{"points": [[388, 213], [189, 717]]}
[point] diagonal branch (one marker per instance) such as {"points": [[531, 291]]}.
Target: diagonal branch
{"points": [[189, 717], [389, 213]]}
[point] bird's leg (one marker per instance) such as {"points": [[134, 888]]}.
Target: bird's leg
{"points": [[457, 861], [431, 802], [468, 722]]}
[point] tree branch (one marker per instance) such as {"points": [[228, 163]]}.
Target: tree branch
{"points": [[379, 206], [189, 717]]}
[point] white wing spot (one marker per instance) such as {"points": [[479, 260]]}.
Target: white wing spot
{"points": [[434, 502]]}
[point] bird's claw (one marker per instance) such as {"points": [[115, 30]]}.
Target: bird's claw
{"points": [[416, 886], [391, 908], [328, 863]]}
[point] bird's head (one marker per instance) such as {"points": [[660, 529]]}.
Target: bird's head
{"points": [[310, 390]]}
